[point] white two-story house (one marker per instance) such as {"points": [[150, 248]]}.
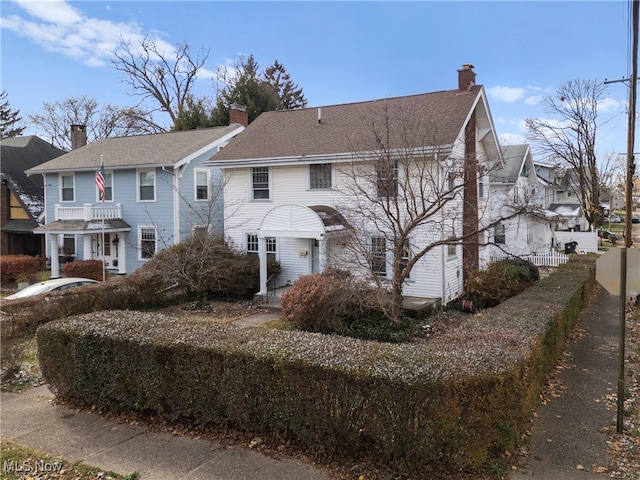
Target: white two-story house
{"points": [[157, 191], [515, 182], [296, 187]]}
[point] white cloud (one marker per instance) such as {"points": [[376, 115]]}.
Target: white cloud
{"points": [[609, 105], [58, 27], [512, 139], [507, 94], [533, 100], [52, 11]]}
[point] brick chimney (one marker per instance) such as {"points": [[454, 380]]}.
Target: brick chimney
{"points": [[466, 77], [78, 136], [238, 114]]}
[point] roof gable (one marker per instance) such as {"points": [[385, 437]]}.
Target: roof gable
{"points": [[430, 119], [18, 154], [160, 149], [514, 157]]}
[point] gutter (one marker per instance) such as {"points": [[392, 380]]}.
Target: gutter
{"points": [[327, 158]]}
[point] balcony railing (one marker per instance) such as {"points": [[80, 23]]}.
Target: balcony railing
{"points": [[87, 212]]}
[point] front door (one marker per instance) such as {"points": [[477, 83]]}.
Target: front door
{"points": [[107, 254]]}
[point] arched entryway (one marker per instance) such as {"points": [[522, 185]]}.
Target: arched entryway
{"points": [[315, 224]]}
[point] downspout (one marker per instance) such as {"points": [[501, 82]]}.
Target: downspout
{"points": [[176, 208], [443, 269]]}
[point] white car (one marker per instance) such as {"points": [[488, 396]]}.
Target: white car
{"points": [[48, 286], [613, 218]]}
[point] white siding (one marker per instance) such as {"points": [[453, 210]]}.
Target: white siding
{"points": [[290, 185]]}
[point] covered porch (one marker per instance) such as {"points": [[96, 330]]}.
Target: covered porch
{"points": [[303, 233], [101, 231]]}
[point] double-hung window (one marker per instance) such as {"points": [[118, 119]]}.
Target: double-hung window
{"points": [[379, 256], [499, 236], [405, 255], [147, 237], [320, 176], [202, 184], [146, 185], [67, 191], [108, 188], [68, 245], [252, 243], [260, 183], [452, 248], [252, 246], [387, 178]]}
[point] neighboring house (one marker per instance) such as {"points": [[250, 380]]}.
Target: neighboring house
{"points": [[157, 192], [515, 182], [566, 203], [22, 201], [286, 182]]}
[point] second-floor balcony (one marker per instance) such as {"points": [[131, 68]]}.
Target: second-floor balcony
{"points": [[87, 212]]}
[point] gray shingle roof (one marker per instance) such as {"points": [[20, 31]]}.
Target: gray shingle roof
{"points": [[509, 170], [68, 226], [164, 149], [435, 119], [18, 154]]}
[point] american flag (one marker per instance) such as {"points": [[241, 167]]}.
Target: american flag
{"points": [[100, 181]]}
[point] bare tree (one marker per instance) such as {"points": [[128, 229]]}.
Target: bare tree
{"points": [[612, 175], [405, 197], [101, 121], [569, 139], [202, 261], [163, 75]]}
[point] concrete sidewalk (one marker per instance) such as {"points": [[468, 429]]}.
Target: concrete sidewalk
{"points": [[30, 418], [567, 440]]}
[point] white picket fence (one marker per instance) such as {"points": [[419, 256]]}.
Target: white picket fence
{"points": [[552, 259]]}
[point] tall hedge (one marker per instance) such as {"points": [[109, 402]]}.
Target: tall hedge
{"points": [[453, 403]]}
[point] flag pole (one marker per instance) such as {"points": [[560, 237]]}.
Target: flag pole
{"points": [[100, 182]]}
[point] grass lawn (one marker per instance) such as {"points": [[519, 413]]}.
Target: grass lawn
{"points": [[21, 463]]}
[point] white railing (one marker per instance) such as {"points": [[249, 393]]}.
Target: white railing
{"points": [[551, 259], [87, 212]]}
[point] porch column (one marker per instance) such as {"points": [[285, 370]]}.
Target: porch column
{"points": [[55, 263], [87, 254], [121, 255], [322, 258], [262, 255]]}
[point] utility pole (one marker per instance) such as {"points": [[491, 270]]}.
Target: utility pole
{"points": [[630, 170]]}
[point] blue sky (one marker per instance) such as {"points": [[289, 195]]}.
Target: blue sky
{"points": [[338, 52]]}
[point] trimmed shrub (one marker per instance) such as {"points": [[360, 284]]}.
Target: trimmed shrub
{"points": [[203, 265], [14, 266], [453, 404], [499, 281], [24, 315], [334, 301], [84, 268]]}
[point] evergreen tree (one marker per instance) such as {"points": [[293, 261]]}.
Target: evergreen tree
{"points": [[245, 85], [9, 119], [289, 94], [194, 115]]}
